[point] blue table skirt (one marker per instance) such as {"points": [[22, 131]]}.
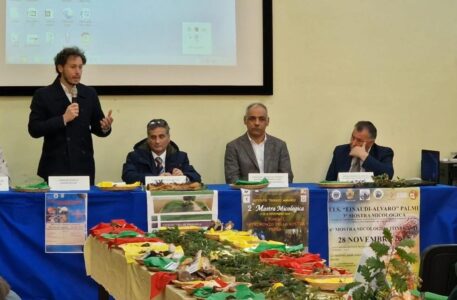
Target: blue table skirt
{"points": [[34, 274]]}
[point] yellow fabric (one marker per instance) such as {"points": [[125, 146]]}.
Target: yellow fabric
{"points": [[133, 250], [108, 184], [239, 239]]}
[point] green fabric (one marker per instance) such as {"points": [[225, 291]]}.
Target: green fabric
{"points": [[429, 296], [128, 233], [109, 236], [246, 182], [38, 186], [283, 248], [242, 293], [296, 248], [266, 246], [150, 235], [157, 262], [220, 296], [203, 292], [123, 234]]}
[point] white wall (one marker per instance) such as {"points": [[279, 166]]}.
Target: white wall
{"points": [[335, 62]]}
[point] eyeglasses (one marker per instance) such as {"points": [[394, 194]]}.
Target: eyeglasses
{"points": [[157, 123], [357, 140]]}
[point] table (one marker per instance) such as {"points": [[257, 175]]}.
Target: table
{"points": [[124, 281], [34, 274]]}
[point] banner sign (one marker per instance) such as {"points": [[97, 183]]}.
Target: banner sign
{"points": [[357, 217], [181, 208], [277, 214], [65, 222]]}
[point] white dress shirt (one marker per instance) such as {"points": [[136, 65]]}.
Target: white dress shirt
{"points": [[259, 151], [67, 92]]}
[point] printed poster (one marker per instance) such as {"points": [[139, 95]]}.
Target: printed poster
{"points": [[65, 222], [357, 217], [181, 208], [277, 214]]}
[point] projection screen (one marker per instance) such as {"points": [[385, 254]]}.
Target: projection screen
{"points": [[142, 46]]}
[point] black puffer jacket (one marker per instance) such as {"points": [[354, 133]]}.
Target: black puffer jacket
{"points": [[140, 163]]}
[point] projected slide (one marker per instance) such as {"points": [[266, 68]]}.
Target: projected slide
{"points": [[121, 32]]}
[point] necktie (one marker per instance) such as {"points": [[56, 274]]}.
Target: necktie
{"points": [[356, 166], [159, 164]]}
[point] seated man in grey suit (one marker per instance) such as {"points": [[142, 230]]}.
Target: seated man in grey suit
{"points": [[362, 154], [255, 151]]}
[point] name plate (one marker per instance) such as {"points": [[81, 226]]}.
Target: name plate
{"points": [[4, 184], [165, 179], [69, 183], [355, 177], [275, 179]]}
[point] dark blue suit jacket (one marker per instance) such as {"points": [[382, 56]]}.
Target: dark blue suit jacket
{"points": [[379, 161], [140, 163]]}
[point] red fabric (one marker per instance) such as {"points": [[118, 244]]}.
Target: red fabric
{"points": [[159, 281], [303, 264], [120, 241], [269, 253], [221, 282], [115, 227]]}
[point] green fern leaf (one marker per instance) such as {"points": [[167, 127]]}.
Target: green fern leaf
{"points": [[387, 234], [379, 248]]}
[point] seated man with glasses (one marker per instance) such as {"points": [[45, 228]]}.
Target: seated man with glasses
{"points": [[256, 151], [361, 154], [157, 155]]}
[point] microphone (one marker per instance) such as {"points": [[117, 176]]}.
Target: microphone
{"points": [[74, 94]]}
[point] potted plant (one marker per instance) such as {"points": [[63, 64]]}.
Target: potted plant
{"points": [[387, 274]]}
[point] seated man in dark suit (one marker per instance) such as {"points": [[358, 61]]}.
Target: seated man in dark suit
{"points": [[255, 151], [361, 154], [157, 155]]}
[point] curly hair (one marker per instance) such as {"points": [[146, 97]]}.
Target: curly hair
{"points": [[62, 57]]}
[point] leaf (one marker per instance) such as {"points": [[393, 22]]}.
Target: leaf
{"points": [[360, 294], [406, 243], [387, 234], [365, 272], [399, 266], [408, 257], [375, 263], [379, 248], [381, 280], [399, 283]]}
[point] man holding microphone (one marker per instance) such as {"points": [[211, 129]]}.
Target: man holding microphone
{"points": [[66, 113]]}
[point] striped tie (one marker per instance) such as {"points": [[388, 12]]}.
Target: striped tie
{"points": [[159, 164], [356, 167]]}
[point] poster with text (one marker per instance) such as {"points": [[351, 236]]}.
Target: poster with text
{"points": [[357, 217], [277, 214], [65, 222], [181, 208]]}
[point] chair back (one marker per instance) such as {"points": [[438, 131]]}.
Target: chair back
{"points": [[438, 269]]}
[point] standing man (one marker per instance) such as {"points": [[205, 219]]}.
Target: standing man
{"points": [[255, 151], [157, 155], [66, 113], [361, 154]]}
